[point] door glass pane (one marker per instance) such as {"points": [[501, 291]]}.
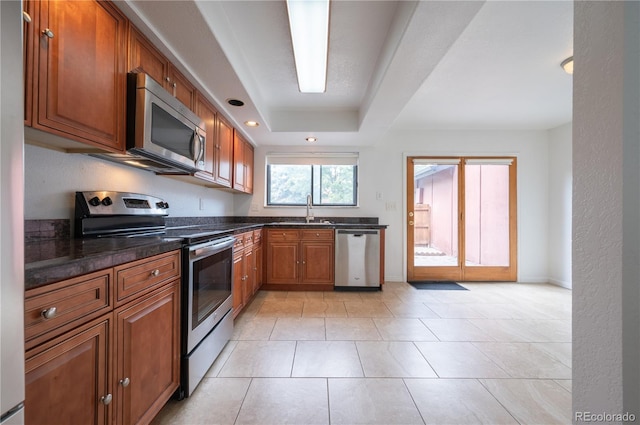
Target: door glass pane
{"points": [[435, 215], [487, 215]]}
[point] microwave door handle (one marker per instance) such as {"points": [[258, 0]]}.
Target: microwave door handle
{"points": [[202, 146], [194, 150]]}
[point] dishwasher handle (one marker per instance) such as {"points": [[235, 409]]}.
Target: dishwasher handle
{"points": [[357, 233]]}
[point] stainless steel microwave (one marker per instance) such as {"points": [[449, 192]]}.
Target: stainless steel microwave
{"points": [[163, 135], [159, 126]]}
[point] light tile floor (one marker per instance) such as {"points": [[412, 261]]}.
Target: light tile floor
{"points": [[497, 354]]}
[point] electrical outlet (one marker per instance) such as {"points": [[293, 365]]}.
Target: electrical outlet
{"points": [[201, 206], [254, 207], [390, 206], [379, 196]]}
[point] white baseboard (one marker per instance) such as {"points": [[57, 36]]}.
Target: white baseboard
{"points": [[561, 283]]}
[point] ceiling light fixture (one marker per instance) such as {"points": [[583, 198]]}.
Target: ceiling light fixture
{"points": [[251, 123], [567, 65], [311, 139], [309, 25]]}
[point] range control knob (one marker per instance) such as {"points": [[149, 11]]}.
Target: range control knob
{"points": [[107, 201], [95, 201], [163, 205]]}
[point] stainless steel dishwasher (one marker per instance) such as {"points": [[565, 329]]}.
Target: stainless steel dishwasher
{"points": [[357, 258]]}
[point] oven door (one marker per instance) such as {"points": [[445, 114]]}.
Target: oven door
{"points": [[208, 283]]}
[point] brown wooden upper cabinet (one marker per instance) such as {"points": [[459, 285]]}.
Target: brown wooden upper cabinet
{"points": [[78, 73], [219, 150], [223, 170], [144, 57], [242, 164]]}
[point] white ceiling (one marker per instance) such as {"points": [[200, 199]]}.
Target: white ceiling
{"points": [[392, 65]]}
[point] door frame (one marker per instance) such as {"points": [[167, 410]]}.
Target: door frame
{"points": [[461, 272]]}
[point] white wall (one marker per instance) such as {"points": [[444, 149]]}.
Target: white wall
{"points": [[382, 170], [606, 208], [560, 181], [52, 178]]}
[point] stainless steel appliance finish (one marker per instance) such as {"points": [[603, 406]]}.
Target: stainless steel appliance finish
{"points": [[207, 280], [357, 258], [163, 135], [12, 385], [107, 213]]}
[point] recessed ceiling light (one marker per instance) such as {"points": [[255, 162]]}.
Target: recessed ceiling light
{"points": [[251, 123], [235, 102], [311, 139]]}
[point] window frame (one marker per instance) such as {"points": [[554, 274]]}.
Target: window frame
{"points": [[315, 168]]}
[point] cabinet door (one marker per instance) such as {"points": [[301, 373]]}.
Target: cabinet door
{"points": [[181, 88], [282, 262], [224, 153], [144, 57], [67, 378], [238, 282], [257, 253], [250, 274], [248, 168], [147, 354], [81, 72], [208, 113], [31, 9], [317, 261], [238, 162]]}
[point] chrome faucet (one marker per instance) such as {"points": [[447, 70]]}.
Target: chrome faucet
{"points": [[309, 208]]}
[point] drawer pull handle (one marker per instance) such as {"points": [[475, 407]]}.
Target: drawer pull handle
{"points": [[47, 32], [49, 313], [155, 273], [124, 382], [106, 400], [26, 17]]}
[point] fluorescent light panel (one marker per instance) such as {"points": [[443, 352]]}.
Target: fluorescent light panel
{"points": [[309, 24]]}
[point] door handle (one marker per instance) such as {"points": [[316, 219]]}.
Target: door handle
{"points": [[411, 223]]}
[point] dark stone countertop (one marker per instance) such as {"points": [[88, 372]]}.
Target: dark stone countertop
{"points": [[51, 260]]}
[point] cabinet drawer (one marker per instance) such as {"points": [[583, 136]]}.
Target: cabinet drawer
{"points": [[275, 235], [257, 236], [248, 238], [318, 234], [239, 244], [76, 301], [139, 277]]}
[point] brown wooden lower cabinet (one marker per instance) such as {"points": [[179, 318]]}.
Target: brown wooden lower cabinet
{"points": [[119, 368], [299, 258], [67, 378], [247, 268], [147, 355]]}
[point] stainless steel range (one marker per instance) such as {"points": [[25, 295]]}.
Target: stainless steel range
{"points": [[207, 270]]}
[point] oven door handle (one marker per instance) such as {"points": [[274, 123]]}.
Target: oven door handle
{"points": [[199, 251]]}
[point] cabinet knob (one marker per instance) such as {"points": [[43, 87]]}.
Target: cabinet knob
{"points": [[106, 400], [167, 79], [124, 382], [26, 17], [317, 235], [155, 273], [49, 313], [304, 262], [175, 85], [47, 32], [411, 223]]}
